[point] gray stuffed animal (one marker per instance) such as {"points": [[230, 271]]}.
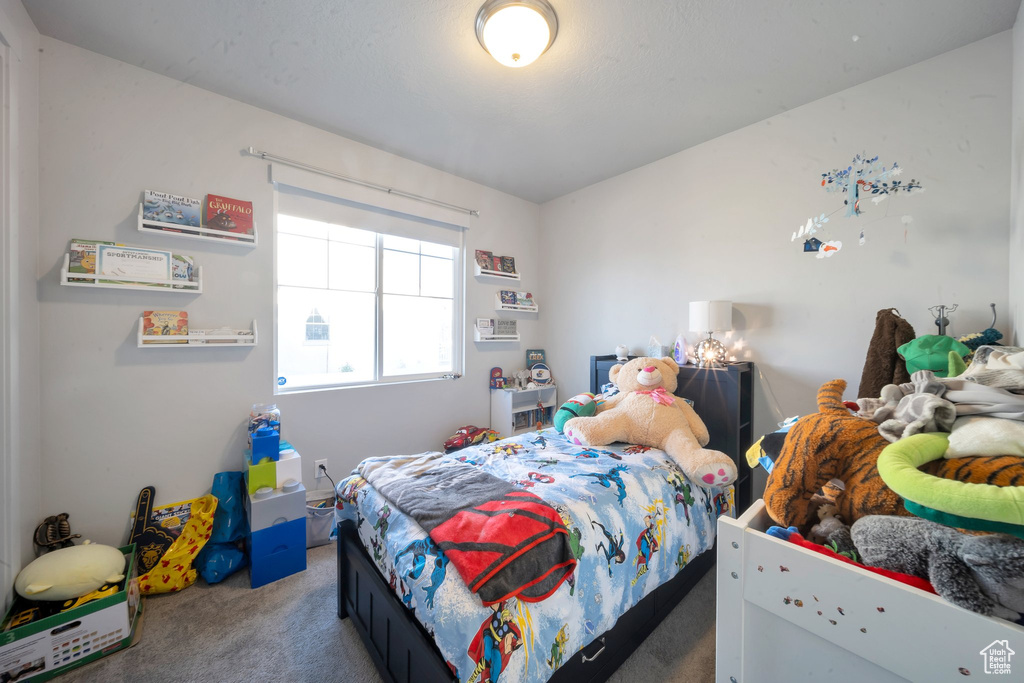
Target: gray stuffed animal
{"points": [[984, 574]]}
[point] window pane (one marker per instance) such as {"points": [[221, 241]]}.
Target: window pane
{"points": [[431, 249], [401, 272], [401, 244], [352, 267], [301, 261], [417, 335], [339, 233], [294, 225], [437, 277], [348, 353]]}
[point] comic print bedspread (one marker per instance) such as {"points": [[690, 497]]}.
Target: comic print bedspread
{"points": [[634, 520]]}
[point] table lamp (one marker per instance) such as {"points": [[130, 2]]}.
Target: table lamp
{"points": [[709, 317]]}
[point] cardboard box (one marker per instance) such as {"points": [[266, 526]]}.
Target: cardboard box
{"points": [[67, 640]]}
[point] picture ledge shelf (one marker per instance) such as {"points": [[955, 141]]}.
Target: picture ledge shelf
{"points": [[499, 274], [203, 339], [499, 306], [477, 336], [118, 282], [202, 233]]}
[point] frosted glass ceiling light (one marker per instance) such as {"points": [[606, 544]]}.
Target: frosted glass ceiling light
{"points": [[516, 32]]}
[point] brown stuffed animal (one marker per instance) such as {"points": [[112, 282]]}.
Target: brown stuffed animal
{"points": [[835, 444], [645, 412]]}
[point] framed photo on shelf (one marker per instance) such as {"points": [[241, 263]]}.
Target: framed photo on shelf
{"points": [[485, 326], [504, 327]]}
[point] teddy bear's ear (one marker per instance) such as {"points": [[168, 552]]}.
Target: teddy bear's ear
{"points": [[613, 372], [667, 360]]}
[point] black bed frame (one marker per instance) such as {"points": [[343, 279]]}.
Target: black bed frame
{"points": [[404, 651]]}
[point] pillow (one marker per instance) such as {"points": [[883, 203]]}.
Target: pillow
{"points": [[70, 572], [975, 435]]}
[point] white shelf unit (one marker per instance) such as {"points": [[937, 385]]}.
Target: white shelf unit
{"points": [[498, 274], [204, 340], [117, 282], [478, 337], [499, 306], [507, 403], [204, 233]]}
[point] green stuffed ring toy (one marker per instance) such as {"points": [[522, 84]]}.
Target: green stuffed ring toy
{"points": [[982, 507]]}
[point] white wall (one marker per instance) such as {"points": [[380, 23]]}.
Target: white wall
{"points": [[118, 417], [21, 475], [714, 222], [1016, 179]]}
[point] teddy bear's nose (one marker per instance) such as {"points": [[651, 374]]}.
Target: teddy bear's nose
{"points": [[650, 368]]}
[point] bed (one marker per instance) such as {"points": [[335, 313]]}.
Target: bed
{"points": [[642, 531]]}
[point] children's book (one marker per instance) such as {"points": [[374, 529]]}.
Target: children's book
{"points": [[524, 299], [534, 356], [160, 327], [169, 211], [508, 297], [182, 268], [508, 264], [496, 263], [484, 259], [229, 215], [82, 258]]}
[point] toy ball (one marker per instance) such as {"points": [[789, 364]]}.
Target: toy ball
{"points": [[70, 572], [580, 405]]}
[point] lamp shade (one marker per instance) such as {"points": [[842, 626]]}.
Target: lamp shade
{"points": [[710, 316]]}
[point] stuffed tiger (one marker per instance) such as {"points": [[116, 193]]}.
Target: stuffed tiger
{"points": [[835, 444]]}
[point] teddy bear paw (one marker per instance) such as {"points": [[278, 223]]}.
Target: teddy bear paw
{"points": [[574, 438], [716, 474]]}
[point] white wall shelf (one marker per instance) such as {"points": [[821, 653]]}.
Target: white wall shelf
{"points": [[93, 281], [206, 339], [478, 337], [499, 306], [199, 233], [497, 274]]}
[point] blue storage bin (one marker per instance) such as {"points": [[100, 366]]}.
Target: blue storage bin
{"points": [[276, 552]]}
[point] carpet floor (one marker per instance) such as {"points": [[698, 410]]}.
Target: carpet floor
{"points": [[289, 631]]}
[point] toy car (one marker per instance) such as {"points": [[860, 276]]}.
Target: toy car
{"points": [[467, 436]]}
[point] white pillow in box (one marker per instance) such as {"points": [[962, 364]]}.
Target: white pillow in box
{"points": [[289, 466], [70, 572], [986, 436]]}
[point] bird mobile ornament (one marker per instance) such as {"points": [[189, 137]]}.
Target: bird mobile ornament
{"points": [[864, 178]]}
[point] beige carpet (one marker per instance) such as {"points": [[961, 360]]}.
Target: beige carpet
{"points": [[289, 631]]}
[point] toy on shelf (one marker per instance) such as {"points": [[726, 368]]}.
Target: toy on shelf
{"points": [[497, 381], [540, 374], [468, 436], [53, 533]]}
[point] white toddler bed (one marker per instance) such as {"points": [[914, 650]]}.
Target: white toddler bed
{"points": [[787, 614]]}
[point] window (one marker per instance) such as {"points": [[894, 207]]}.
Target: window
{"points": [[358, 306]]}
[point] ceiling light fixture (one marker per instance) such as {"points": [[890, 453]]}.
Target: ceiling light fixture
{"points": [[516, 32]]}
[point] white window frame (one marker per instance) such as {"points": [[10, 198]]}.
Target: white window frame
{"points": [[458, 317]]}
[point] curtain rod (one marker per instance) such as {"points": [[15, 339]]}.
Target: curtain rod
{"points": [[348, 179]]}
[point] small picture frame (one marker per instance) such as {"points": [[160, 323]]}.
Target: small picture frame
{"points": [[505, 327], [485, 325]]}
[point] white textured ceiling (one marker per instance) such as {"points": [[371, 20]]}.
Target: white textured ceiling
{"points": [[625, 83]]}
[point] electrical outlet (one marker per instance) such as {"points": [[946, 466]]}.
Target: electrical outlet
{"points": [[317, 472]]}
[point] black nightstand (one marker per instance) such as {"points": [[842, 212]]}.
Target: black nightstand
{"points": [[723, 398]]}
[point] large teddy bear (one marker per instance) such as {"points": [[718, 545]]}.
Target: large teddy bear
{"points": [[646, 412]]}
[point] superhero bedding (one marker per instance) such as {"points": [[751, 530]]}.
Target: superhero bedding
{"points": [[633, 523]]}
